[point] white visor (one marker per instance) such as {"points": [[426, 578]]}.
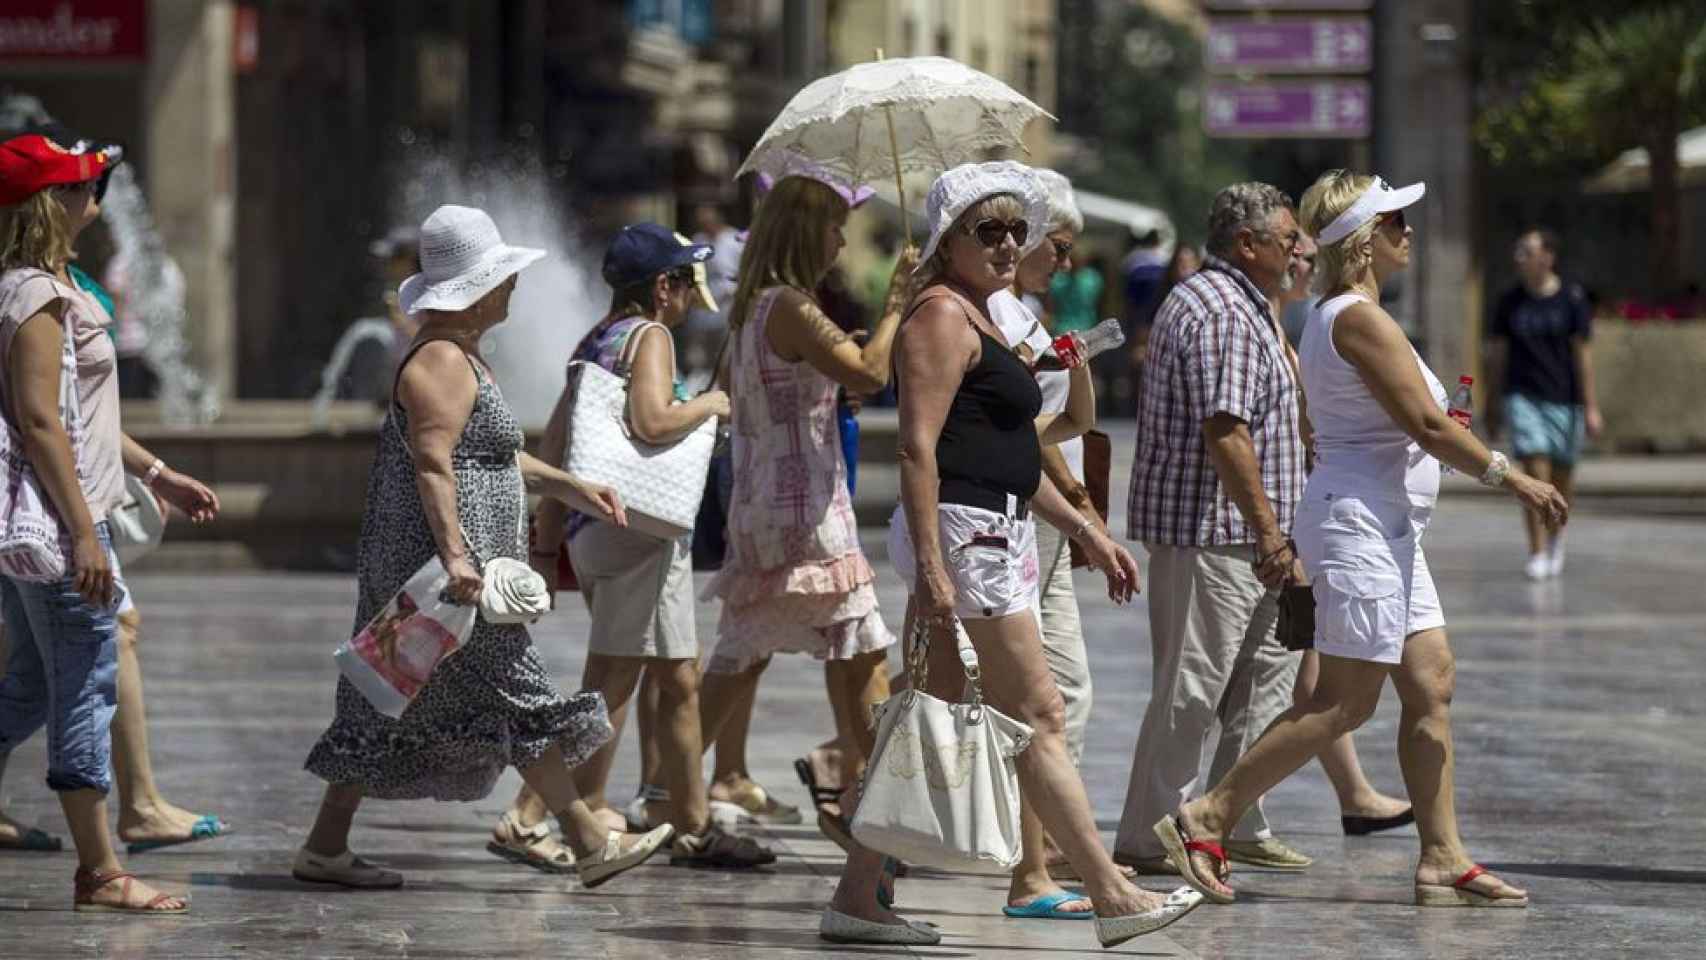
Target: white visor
{"points": [[1379, 198]]}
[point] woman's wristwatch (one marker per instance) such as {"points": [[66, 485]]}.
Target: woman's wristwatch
{"points": [[154, 470], [1497, 470]]}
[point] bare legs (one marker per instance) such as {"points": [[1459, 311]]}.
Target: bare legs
{"points": [[1017, 682], [1344, 698], [725, 716], [142, 813], [1540, 468], [1357, 797], [548, 777]]}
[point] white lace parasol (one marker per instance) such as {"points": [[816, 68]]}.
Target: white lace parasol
{"points": [[944, 114]]}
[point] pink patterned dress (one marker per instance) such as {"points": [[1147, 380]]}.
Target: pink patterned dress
{"points": [[794, 579]]}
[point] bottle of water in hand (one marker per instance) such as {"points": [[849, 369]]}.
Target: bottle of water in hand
{"points": [[1461, 407], [1076, 349]]}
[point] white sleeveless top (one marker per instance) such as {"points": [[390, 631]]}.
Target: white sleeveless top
{"points": [[1359, 450]]}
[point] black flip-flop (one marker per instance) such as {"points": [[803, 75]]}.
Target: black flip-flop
{"points": [[1356, 826]]}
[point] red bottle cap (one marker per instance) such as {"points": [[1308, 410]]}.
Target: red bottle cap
{"points": [[1466, 380]]}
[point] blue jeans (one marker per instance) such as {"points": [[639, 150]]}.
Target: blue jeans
{"points": [[61, 671]]}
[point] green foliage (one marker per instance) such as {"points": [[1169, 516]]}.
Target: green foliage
{"points": [[1570, 83], [1146, 124]]}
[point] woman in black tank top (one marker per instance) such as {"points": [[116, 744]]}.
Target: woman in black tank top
{"points": [[971, 472]]}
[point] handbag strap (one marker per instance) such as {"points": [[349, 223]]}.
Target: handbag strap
{"points": [[918, 658], [631, 349]]}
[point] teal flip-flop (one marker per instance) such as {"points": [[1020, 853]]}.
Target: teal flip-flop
{"points": [[1047, 907], [206, 828], [34, 841]]}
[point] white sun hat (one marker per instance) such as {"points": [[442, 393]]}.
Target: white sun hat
{"points": [[1062, 202], [957, 190], [462, 259], [1379, 198]]}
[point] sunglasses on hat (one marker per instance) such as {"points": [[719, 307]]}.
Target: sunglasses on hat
{"points": [[990, 233]]}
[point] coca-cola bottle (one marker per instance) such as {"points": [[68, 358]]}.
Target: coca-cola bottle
{"points": [[1075, 349], [1461, 407]]}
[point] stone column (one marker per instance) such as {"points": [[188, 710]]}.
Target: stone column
{"points": [[189, 98], [1424, 112]]}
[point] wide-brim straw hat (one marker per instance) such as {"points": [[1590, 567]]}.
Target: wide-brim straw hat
{"points": [[959, 189], [462, 259]]}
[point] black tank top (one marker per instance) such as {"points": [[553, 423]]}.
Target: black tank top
{"points": [[989, 446]]}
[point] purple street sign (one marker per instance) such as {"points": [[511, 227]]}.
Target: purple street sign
{"points": [[1290, 4], [1315, 45], [1329, 109]]}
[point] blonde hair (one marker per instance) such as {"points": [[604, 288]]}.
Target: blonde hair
{"points": [[1000, 206], [785, 246], [35, 233], [1336, 264]]}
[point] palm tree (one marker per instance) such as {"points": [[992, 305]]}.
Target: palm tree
{"points": [[1607, 75], [1633, 80]]}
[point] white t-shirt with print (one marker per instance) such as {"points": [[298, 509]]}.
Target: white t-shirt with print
{"points": [[1019, 325]]}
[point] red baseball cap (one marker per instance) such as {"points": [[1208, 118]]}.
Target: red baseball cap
{"points": [[31, 163]]}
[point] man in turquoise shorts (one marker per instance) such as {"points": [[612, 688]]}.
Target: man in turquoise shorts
{"points": [[1542, 326]]}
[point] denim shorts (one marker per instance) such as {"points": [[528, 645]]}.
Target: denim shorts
{"points": [[61, 672], [1541, 429]]}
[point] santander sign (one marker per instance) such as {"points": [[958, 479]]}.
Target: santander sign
{"points": [[73, 29]]}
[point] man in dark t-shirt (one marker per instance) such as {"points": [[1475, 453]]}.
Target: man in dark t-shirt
{"points": [[1543, 326]]}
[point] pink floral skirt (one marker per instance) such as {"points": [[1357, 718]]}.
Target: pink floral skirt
{"points": [[826, 609]]}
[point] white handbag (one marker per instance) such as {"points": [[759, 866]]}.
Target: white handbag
{"points": [[34, 544], [138, 524], [941, 789], [660, 484], [513, 592]]}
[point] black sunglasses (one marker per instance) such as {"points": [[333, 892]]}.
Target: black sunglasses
{"points": [[1062, 249], [991, 232], [1395, 218]]}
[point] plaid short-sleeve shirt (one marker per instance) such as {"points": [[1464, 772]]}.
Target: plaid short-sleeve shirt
{"points": [[1213, 349]]}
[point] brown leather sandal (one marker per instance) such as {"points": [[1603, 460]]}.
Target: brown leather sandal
{"points": [[88, 881]]}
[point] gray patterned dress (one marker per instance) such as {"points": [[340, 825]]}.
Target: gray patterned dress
{"points": [[489, 706]]}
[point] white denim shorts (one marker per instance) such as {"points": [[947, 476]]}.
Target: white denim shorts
{"points": [[1372, 585], [991, 557]]}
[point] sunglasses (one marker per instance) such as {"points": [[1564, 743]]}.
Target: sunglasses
{"points": [[990, 233], [1062, 249], [1395, 218]]}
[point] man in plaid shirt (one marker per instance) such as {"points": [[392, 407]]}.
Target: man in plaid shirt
{"points": [[1216, 479]]}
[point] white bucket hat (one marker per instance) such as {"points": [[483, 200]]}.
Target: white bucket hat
{"points": [[957, 190], [462, 259], [1379, 198]]}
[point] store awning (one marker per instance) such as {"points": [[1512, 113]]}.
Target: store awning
{"points": [[1632, 170]]}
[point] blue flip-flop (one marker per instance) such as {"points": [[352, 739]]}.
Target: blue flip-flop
{"points": [[1047, 907], [206, 828]]}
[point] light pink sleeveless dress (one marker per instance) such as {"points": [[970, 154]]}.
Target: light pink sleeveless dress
{"points": [[794, 579]]}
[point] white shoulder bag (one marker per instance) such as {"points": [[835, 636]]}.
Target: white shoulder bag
{"points": [[941, 789], [660, 484]]}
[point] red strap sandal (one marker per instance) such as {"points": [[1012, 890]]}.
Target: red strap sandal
{"points": [[88, 881]]}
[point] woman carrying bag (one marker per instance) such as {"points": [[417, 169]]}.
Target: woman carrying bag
{"points": [[447, 484], [58, 370], [638, 587]]}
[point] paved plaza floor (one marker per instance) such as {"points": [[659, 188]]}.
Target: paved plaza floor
{"points": [[1581, 772]]}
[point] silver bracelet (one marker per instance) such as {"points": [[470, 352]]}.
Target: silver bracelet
{"points": [[153, 473], [1497, 470]]}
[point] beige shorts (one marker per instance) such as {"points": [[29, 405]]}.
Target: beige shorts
{"points": [[640, 592]]}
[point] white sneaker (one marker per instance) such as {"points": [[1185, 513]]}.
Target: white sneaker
{"points": [[1538, 567], [1555, 557]]}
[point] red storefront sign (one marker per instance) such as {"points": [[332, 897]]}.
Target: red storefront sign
{"points": [[73, 30]]}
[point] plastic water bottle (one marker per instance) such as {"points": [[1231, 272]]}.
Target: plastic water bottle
{"points": [[1461, 407], [1076, 349]]}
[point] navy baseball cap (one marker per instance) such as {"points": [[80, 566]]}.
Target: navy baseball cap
{"points": [[641, 251]]}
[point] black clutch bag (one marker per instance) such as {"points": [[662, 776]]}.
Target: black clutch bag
{"points": [[1296, 628]]}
